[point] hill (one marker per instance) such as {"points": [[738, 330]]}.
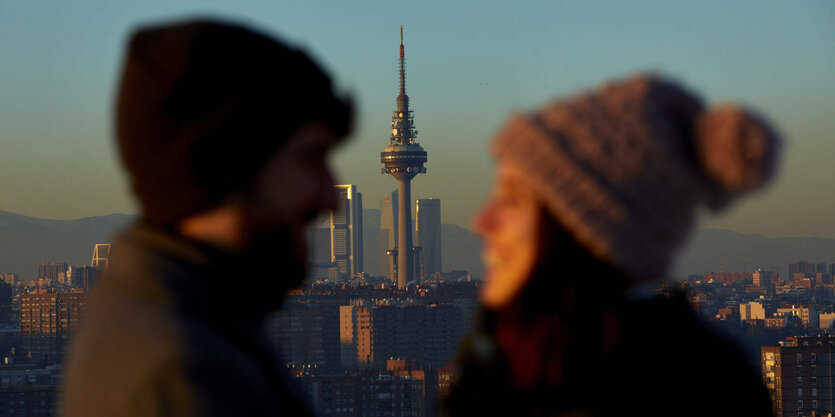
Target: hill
{"points": [[710, 250], [25, 242]]}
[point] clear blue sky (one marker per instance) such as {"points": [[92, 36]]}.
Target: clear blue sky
{"points": [[469, 64]]}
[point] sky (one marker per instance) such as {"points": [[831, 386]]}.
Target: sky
{"points": [[469, 65]]}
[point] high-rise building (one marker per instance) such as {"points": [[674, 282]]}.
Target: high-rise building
{"points": [[403, 159], [388, 218], [428, 228], [101, 254], [52, 270], [318, 244], [84, 277], [388, 229], [751, 311], [428, 335], [51, 314], [307, 333], [798, 375], [764, 278], [402, 389], [9, 278], [801, 267], [346, 231], [372, 250]]}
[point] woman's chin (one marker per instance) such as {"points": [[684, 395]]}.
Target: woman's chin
{"points": [[492, 295]]}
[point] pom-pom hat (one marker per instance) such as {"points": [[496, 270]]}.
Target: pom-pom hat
{"points": [[624, 168]]}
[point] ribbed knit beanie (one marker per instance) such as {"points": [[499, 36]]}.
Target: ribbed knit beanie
{"points": [[204, 104], [624, 168]]}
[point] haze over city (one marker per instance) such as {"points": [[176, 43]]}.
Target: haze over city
{"points": [[469, 65]]}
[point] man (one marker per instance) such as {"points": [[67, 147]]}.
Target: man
{"points": [[225, 135]]}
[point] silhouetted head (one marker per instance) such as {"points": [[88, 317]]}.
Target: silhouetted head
{"points": [[211, 113], [618, 173]]}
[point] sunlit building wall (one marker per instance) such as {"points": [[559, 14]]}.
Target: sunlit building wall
{"points": [[346, 231], [798, 375], [428, 225]]}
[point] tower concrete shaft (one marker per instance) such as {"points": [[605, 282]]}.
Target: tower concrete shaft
{"points": [[405, 268], [403, 159]]}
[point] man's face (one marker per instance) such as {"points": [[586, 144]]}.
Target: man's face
{"points": [[294, 187]]}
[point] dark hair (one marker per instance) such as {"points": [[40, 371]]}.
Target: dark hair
{"points": [[202, 106], [561, 311], [567, 276]]}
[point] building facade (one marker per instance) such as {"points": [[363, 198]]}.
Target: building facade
{"points": [[346, 231], [798, 375], [427, 335], [401, 389], [51, 314], [388, 232], [307, 333], [52, 270], [428, 230]]}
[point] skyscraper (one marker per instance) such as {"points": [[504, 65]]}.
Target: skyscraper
{"points": [[51, 270], [346, 230], [388, 229], [798, 374], [403, 158], [52, 313], [428, 227], [101, 254], [388, 218]]}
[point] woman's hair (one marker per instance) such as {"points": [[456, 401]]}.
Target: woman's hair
{"points": [[556, 325], [565, 274]]}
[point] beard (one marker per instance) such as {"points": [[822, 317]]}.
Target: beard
{"points": [[263, 272]]}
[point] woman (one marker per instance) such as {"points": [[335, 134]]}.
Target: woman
{"points": [[592, 197]]}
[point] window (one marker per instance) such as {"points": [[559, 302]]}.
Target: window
{"points": [[814, 404], [799, 368], [814, 368], [814, 380], [814, 392], [800, 392], [814, 357], [799, 381]]}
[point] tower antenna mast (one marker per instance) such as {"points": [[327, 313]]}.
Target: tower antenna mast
{"points": [[403, 159]]}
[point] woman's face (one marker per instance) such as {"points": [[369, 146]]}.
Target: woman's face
{"points": [[509, 223]]}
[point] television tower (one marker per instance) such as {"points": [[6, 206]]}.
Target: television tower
{"points": [[403, 158]]}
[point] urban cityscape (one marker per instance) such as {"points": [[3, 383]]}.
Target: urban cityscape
{"points": [[374, 330], [376, 327]]}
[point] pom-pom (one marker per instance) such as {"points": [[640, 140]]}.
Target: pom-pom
{"points": [[737, 149]]}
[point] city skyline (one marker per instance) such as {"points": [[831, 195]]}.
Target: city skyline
{"points": [[473, 65]]}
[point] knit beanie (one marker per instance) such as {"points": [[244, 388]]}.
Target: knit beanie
{"points": [[202, 107], [624, 168]]}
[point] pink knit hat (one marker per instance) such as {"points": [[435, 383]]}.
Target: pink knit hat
{"points": [[624, 168]]}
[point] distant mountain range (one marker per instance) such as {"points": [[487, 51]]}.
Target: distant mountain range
{"points": [[26, 242], [712, 250]]}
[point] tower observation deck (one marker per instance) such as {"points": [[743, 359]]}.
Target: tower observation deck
{"points": [[403, 159]]}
